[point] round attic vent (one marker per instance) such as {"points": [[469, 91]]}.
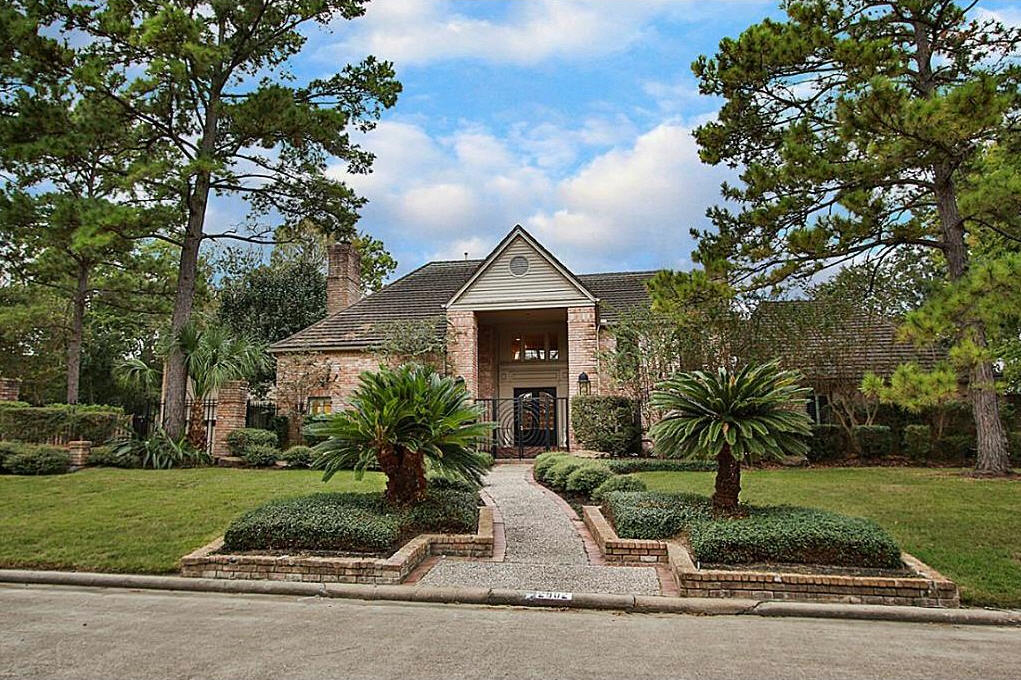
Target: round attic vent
{"points": [[519, 265]]}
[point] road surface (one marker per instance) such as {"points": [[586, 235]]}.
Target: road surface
{"points": [[60, 632]]}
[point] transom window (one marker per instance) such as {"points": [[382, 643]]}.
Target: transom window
{"points": [[535, 347]]}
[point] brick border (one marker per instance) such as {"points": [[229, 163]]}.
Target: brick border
{"points": [[928, 588], [206, 562]]}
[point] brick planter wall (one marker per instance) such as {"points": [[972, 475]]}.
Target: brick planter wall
{"points": [[206, 562], [617, 550]]}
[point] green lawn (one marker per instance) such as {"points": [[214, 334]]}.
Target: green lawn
{"points": [[969, 529], [137, 520]]}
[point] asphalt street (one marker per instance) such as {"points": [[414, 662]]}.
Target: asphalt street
{"points": [[63, 632]]}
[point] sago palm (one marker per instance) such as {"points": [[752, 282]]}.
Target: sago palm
{"points": [[755, 412], [406, 419]]}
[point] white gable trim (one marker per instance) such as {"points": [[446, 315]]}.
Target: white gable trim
{"points": [[519, 231]]}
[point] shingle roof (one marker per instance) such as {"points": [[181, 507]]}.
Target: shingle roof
{"points": [[422, 294]]}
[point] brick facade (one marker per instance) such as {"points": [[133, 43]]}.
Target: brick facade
{"points": [[10, 389], [463, 347], [488, 362], [231, 414], [343, 277]]}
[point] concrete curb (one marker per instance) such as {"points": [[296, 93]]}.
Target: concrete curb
{"points": [[645, 604]]}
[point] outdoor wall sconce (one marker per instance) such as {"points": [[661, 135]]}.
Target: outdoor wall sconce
{"points": [[584, 384]]}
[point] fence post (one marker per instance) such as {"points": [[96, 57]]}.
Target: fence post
{"points": [[10, 389], [231, 413]]}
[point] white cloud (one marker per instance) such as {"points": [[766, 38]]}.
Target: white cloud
{"points": [[1009, 15]]}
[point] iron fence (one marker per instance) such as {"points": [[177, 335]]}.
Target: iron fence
{"points": [[145, 419]]}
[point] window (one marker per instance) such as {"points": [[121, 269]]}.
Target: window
{"points": [[320, 406], [535, 347]]}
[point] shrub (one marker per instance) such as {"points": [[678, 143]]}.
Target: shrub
{"points": [[625, 466], [109, 456], [618, 483], [956, 447], [828, 443], [298, 456], [260, 455], [874, 441], [27, 459], [1014, 444], [587, 477], [159, 451], [557, 475], [606, 423], [918, 441], [350, 522], [95, 423], [545, 461], [778, 534], [241, 439]]}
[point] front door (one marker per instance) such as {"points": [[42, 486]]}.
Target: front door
{"points": [[535, 416]]}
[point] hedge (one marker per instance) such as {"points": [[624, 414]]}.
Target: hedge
{"points": [[260, 455], [624, 466], [241, 439], [18, 458], [770, 534], [61, 422], [557, 475], [544, 461], [350, 522], [587, 478], [606, 423], [618, 483], [828, 443], [917, 442], [874, 441]]}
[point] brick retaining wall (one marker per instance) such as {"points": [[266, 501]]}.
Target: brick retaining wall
{"points": [[207, 562], [621, 551]]}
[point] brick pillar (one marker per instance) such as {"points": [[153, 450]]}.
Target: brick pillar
{"points": [[463, 347], [582, 345], [231, 413], [343, 277], [10, 389], [79, 451]]}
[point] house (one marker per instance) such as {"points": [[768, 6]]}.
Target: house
{"points": [[522, 330]]}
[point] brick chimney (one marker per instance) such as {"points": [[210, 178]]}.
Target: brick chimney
{"points": [[343, 277]]}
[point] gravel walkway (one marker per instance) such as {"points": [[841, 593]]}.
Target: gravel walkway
{"points": [[544, 551]]}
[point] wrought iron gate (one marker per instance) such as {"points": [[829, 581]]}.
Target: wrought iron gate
{"points": [[531, 422]]}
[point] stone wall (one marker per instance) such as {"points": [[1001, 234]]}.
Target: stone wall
{"points": [[10, 389], [208, 562]]}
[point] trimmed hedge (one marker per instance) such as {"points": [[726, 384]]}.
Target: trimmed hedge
{"points": [[874, 441], [624, 466], [241, 439], [828, 443], [956, 447], [299, 456], [918, 442], [350, 522], [606, 423], [772, 534], [260, 455], [557, 475], [17, 458], [545, 461], [587, 478], [37, 424], [618, 483]]}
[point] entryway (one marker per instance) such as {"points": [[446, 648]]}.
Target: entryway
{"points": [[532, 421]]}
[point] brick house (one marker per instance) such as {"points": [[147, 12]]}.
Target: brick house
{"points": [[521, 329]]}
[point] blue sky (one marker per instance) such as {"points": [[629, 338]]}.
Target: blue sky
{"points": [[570, 117]]}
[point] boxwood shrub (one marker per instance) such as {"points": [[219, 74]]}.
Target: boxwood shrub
{"points": [[587, 477], [349, 522], [776, 534], [557, 475], [874, 441], [260, 455], [918, 442], [828, 443], [28, 459], [545, 461], [624, 466], [299, 456], [606, 423], [239, 440], [618, 483]]}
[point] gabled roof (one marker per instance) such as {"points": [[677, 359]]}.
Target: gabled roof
{"points": [[519, 232]]}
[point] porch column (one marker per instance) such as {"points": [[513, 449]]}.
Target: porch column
{"points": [[463, 347], [582, 345], [231, 414]]}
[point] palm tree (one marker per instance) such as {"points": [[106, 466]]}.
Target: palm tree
{"points": [[755, 412], [213, 356], [405, 419]]}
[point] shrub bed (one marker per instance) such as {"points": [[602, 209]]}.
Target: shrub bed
{"points": [[111, 456], [587, 478], [626, 466], [350, 522], [770, 534], [239, 441], [828, 443], [606, 423], [28, 459], [260, 455], [618, 483], [874, 441], [299, 456]]}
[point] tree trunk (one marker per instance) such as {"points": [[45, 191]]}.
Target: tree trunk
{"points": [[992, 458], [728, 484], [405, 476], [197, 431], [74, 343]]}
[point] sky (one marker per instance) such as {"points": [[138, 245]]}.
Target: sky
{"points": [[573, 118]]}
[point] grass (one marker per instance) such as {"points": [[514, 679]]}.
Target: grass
{"points": [[969, 529], [111, 520]]}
